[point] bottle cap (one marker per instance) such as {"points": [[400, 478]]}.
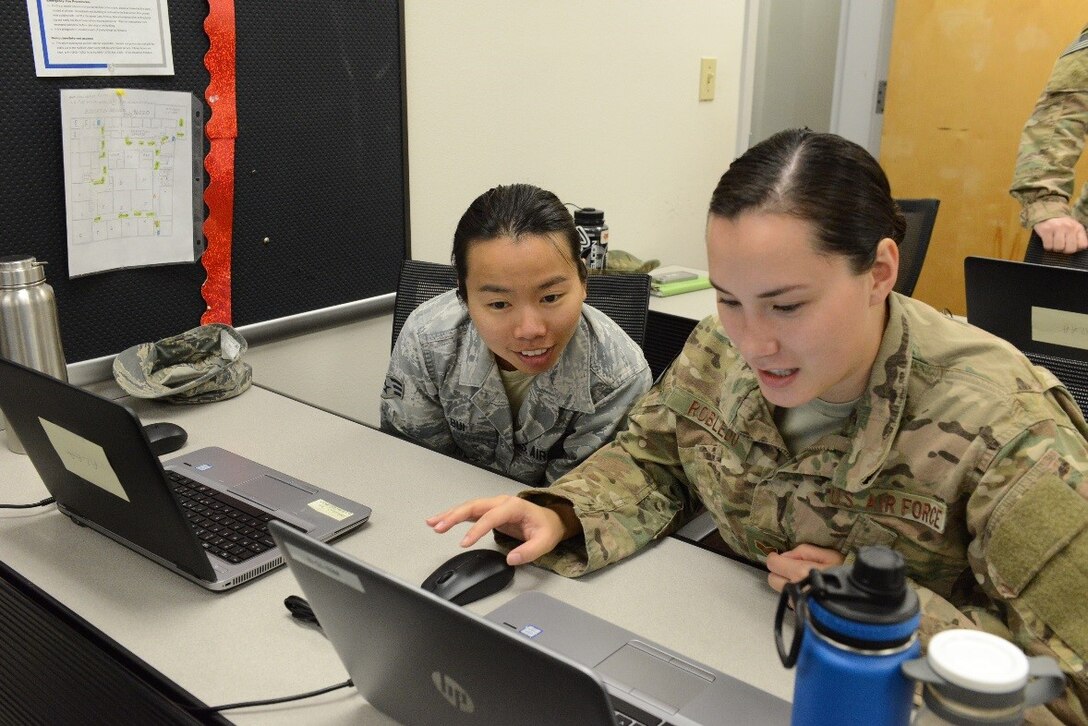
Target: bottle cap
{"points": [[20, 270], [873, 589], [881, 573], [589, 216], [978, 661]]}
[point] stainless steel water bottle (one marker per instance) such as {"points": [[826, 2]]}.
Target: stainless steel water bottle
{"points": [[29, 329], [593, 236]]}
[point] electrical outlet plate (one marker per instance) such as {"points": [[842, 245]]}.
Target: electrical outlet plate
{"points": [[708, 78]]}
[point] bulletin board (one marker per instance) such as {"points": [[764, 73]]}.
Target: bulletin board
{"points": [[320, 173]]}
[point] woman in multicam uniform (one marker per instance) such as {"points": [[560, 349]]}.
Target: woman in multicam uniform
{"points": [[512, 371], [821, 411]]}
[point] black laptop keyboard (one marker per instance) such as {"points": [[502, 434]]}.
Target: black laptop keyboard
{"points": [[630, 715], [229, 529]]}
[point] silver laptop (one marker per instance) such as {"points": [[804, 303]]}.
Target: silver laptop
{"points": [[203, 515], [657, 680], [422, 660]]}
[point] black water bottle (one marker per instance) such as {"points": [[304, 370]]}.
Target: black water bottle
{"points": [[593, 236]]}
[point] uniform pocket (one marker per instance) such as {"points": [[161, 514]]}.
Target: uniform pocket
{"points": [[1038, 519], [1038, 552]]}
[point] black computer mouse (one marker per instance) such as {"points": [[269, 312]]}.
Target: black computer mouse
{"points": [[469, 576], [165, 437]]}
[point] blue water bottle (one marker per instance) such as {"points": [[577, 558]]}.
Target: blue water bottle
{"points": [[856, 625]]}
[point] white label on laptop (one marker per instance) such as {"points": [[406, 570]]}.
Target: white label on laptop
{"points": [[83, 458], [324, 566], [330, 510], [1059, 327]]}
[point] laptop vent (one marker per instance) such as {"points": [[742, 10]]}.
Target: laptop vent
{"points": [[258, 572]]}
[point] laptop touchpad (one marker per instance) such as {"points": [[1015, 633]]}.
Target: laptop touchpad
{"points": [[273, 493], [656, 674]]}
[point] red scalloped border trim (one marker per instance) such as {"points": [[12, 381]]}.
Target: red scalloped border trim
{"points": [[221, 129]]}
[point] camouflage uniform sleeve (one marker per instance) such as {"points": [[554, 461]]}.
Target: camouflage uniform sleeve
{"points": [[1029, 518], [410, 403], [591, 431], [626, 495], [1051, 143]]}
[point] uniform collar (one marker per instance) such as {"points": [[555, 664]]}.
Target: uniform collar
{"points": [[565, 385], [880, 409], [877, 417]]}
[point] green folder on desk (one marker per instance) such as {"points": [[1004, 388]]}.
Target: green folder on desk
{"points": [[665, 289]]}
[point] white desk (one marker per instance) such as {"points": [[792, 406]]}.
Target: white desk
{"points": [[339, 369], [711, 608]]}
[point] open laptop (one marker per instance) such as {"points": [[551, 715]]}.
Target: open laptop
{"points": [[202, 515], [423, 660], [1040, 309]]}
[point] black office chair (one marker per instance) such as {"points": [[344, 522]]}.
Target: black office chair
{"points": [[665, 338], [921, 215], [1035, 253], [419, 281], [624, 298]]}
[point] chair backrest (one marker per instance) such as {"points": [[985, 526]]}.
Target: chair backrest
{"points": [[920, 214], [419, 282], [1035, 253], [665, 338], [624, 298]]}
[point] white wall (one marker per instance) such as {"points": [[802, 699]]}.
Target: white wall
{"points": [[794, 76], [866, 40], [595, 100]]}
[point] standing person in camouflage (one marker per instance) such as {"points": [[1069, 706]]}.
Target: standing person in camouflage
{"points": [[512, 371], [821, 411], [1050, 145]]}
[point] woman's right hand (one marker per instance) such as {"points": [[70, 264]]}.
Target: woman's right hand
{"points": [[539, 528]]}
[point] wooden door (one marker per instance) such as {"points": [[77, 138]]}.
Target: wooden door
{"points": [[963, 78]]}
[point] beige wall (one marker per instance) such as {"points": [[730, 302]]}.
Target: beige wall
{"points": [[595, 100]]}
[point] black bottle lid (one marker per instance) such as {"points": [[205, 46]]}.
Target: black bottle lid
{"points": [[873, 589], [589, 217], [881, 572]]}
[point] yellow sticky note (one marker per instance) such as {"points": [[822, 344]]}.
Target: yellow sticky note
{"points": [[84, 458], [330, 510]]}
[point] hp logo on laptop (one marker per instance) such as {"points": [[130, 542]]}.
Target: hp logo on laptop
{"points": [[451, 690]]}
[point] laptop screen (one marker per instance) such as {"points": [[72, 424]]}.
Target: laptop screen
{"points": [[1037, 308], [422, 660], [1040, 309]]}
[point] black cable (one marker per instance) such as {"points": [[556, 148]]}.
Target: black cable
{"points": [[42, 503], [269, 701]]}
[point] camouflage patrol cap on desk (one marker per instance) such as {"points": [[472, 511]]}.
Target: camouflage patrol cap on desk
{"points": [[198, 366], [620, 262]]}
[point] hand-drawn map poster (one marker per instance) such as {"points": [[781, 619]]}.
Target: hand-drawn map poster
{"points": [[129, 178]]}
